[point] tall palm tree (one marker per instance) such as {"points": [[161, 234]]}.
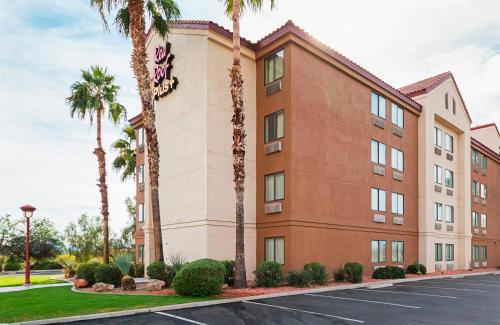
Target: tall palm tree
{"points": [[234, 8], [92, 97], [126, 159], [130, 21]]}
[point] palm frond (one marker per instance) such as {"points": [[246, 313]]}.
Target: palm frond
{"points": [[122, 21], [254, 5], [161, 13], [104, 7]]}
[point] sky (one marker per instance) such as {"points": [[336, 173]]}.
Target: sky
{"points": [[47, 158]]}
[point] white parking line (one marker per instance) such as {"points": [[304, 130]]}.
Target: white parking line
{"points": [[181, 318], [443, 288], [408, 293], [305, 311], [479, 280], [363, 300], [471, 284]]}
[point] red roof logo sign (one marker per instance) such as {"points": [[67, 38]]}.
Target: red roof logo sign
{"points": [[164, 84]]}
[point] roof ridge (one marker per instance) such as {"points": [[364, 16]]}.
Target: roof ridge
{"points": [[425, 83]]}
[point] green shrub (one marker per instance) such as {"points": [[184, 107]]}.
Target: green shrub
{"points": [[170, 273], [269, 274], [11, 264], [156, 270], [123, 262], [45, 265], [353, 272], [300, 279], [108, 273], [229, 274], [415, 268], [128, 283], [87, 271], [389, 272], [317, 273], [339, 274], [137, 270], [203, 277]]}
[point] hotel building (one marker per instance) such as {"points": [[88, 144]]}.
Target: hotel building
{"points": [[340, 165]]}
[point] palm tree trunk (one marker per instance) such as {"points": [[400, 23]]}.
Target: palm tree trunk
{"points": [[103, 188], [141, 72], [238, 120]]}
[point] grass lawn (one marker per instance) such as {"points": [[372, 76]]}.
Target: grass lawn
{"points": [[61, 301], [17, 280]]}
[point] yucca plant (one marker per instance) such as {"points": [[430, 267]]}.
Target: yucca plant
{"points": [[176, 262], [68, 263], [123, 262]]}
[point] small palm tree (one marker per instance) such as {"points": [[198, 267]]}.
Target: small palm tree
{"points": [[92, 97], [234, 8], [125, 161], [130, 21]]}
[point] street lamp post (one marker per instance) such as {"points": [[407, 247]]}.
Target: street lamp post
{"points": [[28, 213]]}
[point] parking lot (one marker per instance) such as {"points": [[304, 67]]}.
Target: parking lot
{"points": [[466, 300]]}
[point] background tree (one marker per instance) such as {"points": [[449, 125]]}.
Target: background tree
{"points": [[126, 159], [92, 97], [233, 9], [84, 238], [126, 241], [9, 228], [131, 21]]}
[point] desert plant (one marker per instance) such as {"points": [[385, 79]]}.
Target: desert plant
{"points": [[177, 261], [203, 277], [87, 272], [299, 279], [108, 273], [229, 275], [123, 262], [353, 272], [128, 283], [68, 264], [339, 274], [416, 268], [269, 274], [317, 273], [389, 272]]}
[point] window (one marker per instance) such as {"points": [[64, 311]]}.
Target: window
{"points": [[484, 220], [274, 67], [475, 188], [398, 251], [483, 162], [397, 115], [397, 159], [475, 158], [275, 249], [274, 126], [378, 105], [484, 253], [140, 174], [483, 191], [275, 186], [378, 200], [454, 106], [438, 248], [446, 100], [448, 178], [475, 219], [140, 136], [397, 201], [449, 213], [378, 251], [475, 252], [140, 212], [438, 176], [378, 152], [438, 135], [449, 252], [438, 211], [141, 253], [448, 142]]}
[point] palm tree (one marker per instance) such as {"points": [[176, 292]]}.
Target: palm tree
{"points": [[91, 98], [126, 159], [234, 8], [130, 21]]}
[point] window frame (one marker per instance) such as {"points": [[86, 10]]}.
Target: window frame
{"points": [[449, 252], [140, 252], [451, 179], [438, 253], [384, 100], [398, 196], [483, 253], [483, 158], [274, 249], [438, 211], [140, 210], [483, 189], [449, 137], [398, 112], [274, 115], [140, 136], [378, 145], [379, 250], [438, 137], [446, 104], [475, 219], [274, 184], [451, 218], [475, 188], [484, 220], [475, 158], [475, 252], [395, 153], [438, 171], [398, 259], [266, 72], [140, 174], [379, 201]]}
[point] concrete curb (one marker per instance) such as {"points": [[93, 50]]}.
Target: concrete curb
{"points": [[232, 300]]}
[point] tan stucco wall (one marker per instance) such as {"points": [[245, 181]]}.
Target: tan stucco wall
{"points": [[488, 136], [434, 114]]}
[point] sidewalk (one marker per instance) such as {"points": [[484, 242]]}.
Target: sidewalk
{"points": [[22, 287]]}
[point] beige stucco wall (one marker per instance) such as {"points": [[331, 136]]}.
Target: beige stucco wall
{"points": [[194, 128], [435, 114], [488, 136]]}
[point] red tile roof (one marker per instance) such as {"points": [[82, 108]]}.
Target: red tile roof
{"points": [[484, 126]]}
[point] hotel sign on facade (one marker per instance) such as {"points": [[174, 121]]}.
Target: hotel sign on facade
{"points": [[163, 82]]}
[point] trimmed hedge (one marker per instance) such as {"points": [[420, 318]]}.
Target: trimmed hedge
{"points": [[389, 272], [157, 271], [229, 274], [87, 271], [204, 277], [353, 272], [415, 267], [317, 273], [108, 273], [300, 279], [269, 275], [45, 265]]}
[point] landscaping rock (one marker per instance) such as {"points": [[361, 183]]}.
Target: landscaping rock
{"points": [[155, 285], [81, 283], [101, 287]]}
